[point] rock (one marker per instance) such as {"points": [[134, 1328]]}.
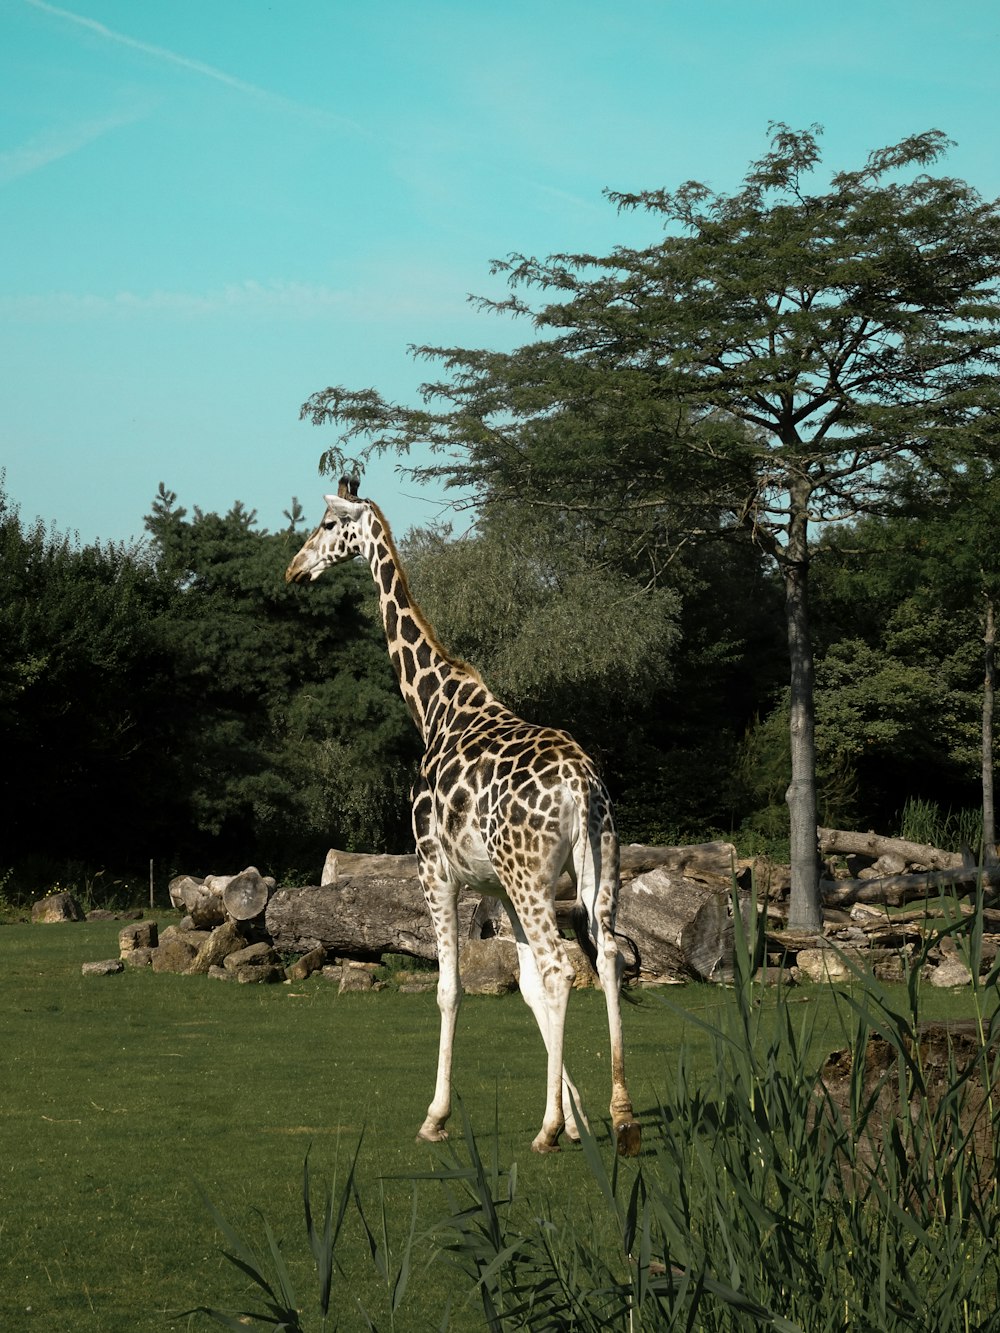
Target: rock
{"points": [[824, 964], [890, 969], [142, 935], [951, 971], [60, 906], [224, 941], [252, 974], [488, 967], [173, 954], [196, 938], [108, 968], [332, 972], [355, 979], [306, 965], [138, 958], [220, 974], [254, 955], [584, 976]]}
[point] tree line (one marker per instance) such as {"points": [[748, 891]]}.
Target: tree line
{"points": [[177, 700], [736, 508]]}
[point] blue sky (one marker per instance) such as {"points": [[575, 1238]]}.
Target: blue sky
{"points": [[211, 208]]}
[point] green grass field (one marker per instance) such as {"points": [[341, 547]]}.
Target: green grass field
{"points": [[122, 1096]]}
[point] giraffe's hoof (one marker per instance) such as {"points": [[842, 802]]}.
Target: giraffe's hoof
{"points": [[429, 1134], [629, 1137], [542, 1144]]}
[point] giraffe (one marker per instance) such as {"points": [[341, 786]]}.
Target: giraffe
{"points": [[501, 806]]}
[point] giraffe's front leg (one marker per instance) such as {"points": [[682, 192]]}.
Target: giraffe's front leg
{"points": [[442, 903], [449, 995]]}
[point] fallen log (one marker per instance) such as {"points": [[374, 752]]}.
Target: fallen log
{"points": [[704, 860], [894, 890], [360, 918], [347, 865], [841, 842]]}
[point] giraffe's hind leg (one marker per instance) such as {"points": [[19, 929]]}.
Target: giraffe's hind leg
{"points": [[598, 886], [533, 993], [609, 968]]}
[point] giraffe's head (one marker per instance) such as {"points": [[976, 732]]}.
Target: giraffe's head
{"points": [[338, 537]]}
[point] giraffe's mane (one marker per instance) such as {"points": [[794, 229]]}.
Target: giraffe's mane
{"points": [[423, 624]]}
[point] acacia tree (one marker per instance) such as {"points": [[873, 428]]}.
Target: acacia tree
{"points": [[770, 363]]}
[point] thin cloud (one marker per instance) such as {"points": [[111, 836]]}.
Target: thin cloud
{"points": [[193, 66], [269, 300], [51, 145]]}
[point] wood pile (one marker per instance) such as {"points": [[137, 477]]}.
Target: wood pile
{"points": [[675, 920]]}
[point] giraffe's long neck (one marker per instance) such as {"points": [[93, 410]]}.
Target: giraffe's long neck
{"points": [[428, 677]]}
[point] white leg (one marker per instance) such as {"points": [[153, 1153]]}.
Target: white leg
{"points": [[449, 997], [598, 902], [548, 1001]]}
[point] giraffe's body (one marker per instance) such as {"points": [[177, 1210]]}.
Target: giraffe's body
{"points": [[499, 805]]}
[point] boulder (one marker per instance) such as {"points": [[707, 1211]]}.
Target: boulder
{"points": [[488, 967], [823, 964], [141, 935], [584, 975], [59, 906], [306, 965], [355, 979], [138, 958], [108, 967], [173, 954], [220, 944], [253, 955], [951, 971], [252, 974]]}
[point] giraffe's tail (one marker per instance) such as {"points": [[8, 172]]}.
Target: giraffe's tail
{"points": [[580, 921]]}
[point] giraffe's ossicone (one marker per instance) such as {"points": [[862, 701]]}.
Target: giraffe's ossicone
{"points": [[500, 806]]}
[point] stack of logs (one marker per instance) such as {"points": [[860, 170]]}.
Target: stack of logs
{"points": [[675, 919]]}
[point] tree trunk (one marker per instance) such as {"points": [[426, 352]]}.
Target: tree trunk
{"points": [[989, 817], [804, 914]]}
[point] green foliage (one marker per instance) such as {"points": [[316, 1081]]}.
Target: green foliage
{"points": [[925, 822], [557, 628], [293, 737], [82, 692]]}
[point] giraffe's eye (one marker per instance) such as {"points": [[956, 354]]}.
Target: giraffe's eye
{"points": [[329, 526]]}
